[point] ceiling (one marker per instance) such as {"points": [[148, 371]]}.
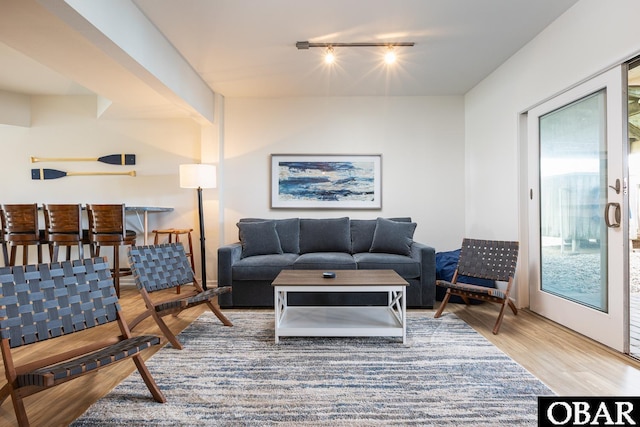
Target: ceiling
{"points": [[246, 48]]}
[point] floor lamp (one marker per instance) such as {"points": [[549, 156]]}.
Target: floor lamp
{"points": [[199, 176]]}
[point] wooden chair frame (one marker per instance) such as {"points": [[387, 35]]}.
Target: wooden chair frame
{"points": [[484, 259], [107, 227], [63, 227], [46, 301], [20, 223], [165, 266]]}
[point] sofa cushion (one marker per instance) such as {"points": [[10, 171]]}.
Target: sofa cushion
{"points": [[325, 261], [393, 237], [259, 238], [288, 232], [325, 235], [407, 267], [362, 233], [262, 267]]}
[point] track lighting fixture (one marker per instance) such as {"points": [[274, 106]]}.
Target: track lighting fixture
{"points": [[389, 57]]}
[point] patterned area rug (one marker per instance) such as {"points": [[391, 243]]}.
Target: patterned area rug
{"points": [[445, 375]]}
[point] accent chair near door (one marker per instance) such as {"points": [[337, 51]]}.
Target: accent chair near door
{"points": [[484, 259]]}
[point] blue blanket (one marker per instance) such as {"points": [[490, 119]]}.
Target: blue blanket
{"points": [[446, 263]]}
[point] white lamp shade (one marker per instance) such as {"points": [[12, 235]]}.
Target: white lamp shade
{"points": [[197, 176]]}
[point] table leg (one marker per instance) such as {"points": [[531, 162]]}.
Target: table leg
{"points": [[276, 305], [404, 315]]}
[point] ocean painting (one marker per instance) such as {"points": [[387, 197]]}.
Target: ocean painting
{"points": [[326, 181]]}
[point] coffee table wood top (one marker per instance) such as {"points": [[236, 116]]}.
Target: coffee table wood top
{"points": [[343, 278]]}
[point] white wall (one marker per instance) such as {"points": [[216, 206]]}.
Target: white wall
{"points": [[66, 126], [420, 138], [589, 38]]}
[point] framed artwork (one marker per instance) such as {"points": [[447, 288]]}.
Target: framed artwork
{"points": [[303, 181]]}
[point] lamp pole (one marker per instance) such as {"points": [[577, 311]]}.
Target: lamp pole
{"points": [[199, 176], [202, 245]]}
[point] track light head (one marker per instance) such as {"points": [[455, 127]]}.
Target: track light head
{"points": [[329, 56], [390, 56]]}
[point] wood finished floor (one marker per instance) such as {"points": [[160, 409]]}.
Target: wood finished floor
{"points": [[568, 363]]}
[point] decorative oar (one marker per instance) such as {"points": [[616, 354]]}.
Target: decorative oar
{"points": [[112, 159], [54, 173]]}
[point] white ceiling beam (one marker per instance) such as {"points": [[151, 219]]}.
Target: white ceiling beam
{"points": [[122, 31]]}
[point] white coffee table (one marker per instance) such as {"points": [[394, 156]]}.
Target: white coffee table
{"points": [[340, 321]]}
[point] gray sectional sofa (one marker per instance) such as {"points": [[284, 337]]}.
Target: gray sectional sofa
{"points": [[268, 246]]}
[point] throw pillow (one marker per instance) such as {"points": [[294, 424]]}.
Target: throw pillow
{"points": [[393, 237], [259, 238], [362, 233], [325, 235], [288, 232]]}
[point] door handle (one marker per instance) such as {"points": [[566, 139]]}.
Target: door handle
{"points": [[616, 215]]}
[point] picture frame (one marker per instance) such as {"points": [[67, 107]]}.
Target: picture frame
{"points": [[316, 181]]}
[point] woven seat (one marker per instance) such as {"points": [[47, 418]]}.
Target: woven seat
{"points": [[173, 235], [47, 376], [484, 259], [47, 301], [166, 266]]}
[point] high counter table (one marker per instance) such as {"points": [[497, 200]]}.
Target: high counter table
{"points": [[145, 213]]}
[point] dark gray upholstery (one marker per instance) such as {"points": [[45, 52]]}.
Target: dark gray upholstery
{"points": [[325, 261], [325, 235], [393, 237], [259, 238], [408, 268], [288, 232], [262, 267], [362, 233], [319, 239]]}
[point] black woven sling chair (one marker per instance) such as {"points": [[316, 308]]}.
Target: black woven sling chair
{"points": [[484, 259], [166, 266], [47, 301]]}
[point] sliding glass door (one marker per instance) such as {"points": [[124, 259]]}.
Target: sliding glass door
{"points": [[576, 203]]}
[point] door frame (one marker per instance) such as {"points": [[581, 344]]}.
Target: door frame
{"points": [[528, 270]]}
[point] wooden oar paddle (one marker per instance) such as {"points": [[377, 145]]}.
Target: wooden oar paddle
{"points": [[112, 159], [54, 173]]}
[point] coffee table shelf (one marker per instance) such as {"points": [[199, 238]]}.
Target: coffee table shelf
{"points": [[340, 321]]}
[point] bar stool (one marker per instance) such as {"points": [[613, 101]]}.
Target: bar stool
{"points": [[177, 232], [20, 223], [107, 228], [63, 227]]}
